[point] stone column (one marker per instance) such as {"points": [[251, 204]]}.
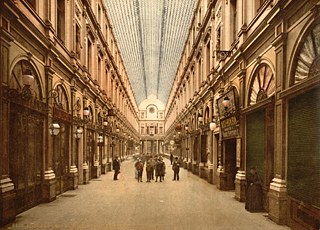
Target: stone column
{"points": [[104, 158], [240, 181], [48, 186], [108, 148], [7, 193], [190, 158], [85, 166], [73, 177], [210, 145], [184, 148], [277, 195], [220, 169], [96, 166], [215, 158]]}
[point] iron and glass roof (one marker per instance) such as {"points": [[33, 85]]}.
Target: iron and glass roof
{"points": [[151, 35]]}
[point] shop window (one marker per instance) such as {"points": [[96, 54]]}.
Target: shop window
{"points": [[161, 130], [61, 19], [78, 41], [106, 34], [99, 70], [208, 58], [304, 148], [255, 139], [234, 18], [32, 3], [259, 4], [89, 56], [99, 14]]}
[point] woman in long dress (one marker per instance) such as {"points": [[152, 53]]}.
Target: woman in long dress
{"points": [[254, 192]]}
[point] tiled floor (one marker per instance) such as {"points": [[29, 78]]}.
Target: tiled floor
{"points": [[190, 203]]}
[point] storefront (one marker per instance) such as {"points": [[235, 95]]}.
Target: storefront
{"points": [[61, 142], [259, 123], [26, 135], [228, 165], [303, 159]]}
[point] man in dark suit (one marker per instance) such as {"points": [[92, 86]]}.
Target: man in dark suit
{"points": [[116, 167], [176, 169]]}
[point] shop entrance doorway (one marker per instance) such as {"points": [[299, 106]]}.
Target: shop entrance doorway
{"points": [[230, 163], [25, 155]]}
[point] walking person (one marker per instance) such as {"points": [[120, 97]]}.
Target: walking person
{"points": [[116, 167], [163, 171], [171, 158], [254, 192], [176, 169], [153, 165], [149, 170], [139, 167], [158, 170]]}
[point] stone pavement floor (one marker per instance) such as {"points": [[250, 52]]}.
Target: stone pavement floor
{"points": [[125, 204]]}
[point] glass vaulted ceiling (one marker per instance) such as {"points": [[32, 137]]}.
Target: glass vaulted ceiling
{"points": [[151, 35]]}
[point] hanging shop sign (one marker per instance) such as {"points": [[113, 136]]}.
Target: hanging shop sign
{"points": [[61, 115], [228, 109]]}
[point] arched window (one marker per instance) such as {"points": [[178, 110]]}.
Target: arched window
{"points": [[262, 84], [16, 80], [308, 60], [61, 99]]}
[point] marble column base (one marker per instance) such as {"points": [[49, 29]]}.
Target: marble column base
{"points": [[210, 173], [7, 201], [221, 178], [240, 183], [96, 171], [103, 169], [109, 167], [189, 166], [73, 177], [202, 172], [85, 170], [49, 186], [185, 165], [195, 168], [277, 198]]}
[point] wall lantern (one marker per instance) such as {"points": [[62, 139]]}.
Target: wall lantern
{"points": [[27, 77], [54, 129], [200, 118], [212, 125], [78, 133], [86, 111], [226, 102], [100, 139]]}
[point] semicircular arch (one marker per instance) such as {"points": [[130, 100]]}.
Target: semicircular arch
{"points": [[305, 60], [18, 66], [61, 97], [261, 83]]}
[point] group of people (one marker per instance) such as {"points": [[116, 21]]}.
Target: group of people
{"points": [[155, 168]]}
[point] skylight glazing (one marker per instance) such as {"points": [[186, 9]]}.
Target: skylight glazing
{"points": [[151, 35]]}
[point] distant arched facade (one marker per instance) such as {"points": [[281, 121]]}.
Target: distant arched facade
{"points": [[151, 125]]}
